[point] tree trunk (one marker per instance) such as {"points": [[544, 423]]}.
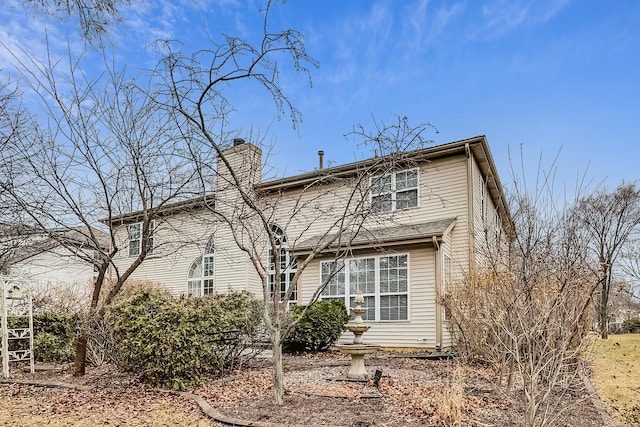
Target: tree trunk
{"points": [[80, 363], [603, 315], [603, 320], [278, 375]]}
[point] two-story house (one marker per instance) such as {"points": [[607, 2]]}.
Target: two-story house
{"points": [[415, 225]]}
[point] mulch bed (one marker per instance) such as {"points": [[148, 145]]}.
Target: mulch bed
{"points": [[412, 392]]}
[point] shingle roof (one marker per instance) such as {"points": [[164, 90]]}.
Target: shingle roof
{"points": [[389, 236]]}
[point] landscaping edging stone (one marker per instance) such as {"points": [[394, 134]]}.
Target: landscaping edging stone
{"points": [[607, 420]]}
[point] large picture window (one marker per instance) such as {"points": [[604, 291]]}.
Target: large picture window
{"points": [[284, 261], [200, 279], [395, 191], [383, 281]]}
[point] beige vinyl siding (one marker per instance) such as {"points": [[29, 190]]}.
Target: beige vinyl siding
{"points": [[178, 240], [312, 212], [486, 245], [443, 194]]}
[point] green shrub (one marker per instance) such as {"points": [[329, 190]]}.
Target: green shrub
{"points": [[53, 336], [631, 326], [175, 342], [318, 329]]}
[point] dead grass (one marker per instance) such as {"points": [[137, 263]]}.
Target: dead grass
{"points": [[616, 376]]}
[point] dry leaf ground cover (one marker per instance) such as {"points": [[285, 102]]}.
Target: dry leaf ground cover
{"points": [[616, 376], [412, 392]]}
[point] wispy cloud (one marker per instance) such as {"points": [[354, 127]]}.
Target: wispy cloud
{"points": [[503, 16], [428, 24]]}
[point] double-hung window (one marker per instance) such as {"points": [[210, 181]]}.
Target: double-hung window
{"points": [[135, 238], [394, 191], [383, 281]]}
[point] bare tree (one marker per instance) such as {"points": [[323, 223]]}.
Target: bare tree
{"points": [[610, 221], [195, 92], [102, 148], [249, 208], [527, 315], [95, 17]]}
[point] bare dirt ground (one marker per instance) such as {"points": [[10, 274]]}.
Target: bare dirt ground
{"points": [[412, 392]]}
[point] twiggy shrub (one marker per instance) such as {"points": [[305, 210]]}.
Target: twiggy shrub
{"points": [[531, 329], [319, 327], [176, 342]]}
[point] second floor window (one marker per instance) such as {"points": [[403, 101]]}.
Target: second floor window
{"points": [[394, 191], [135, 238]]}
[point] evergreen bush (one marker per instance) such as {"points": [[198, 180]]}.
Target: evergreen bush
{"points": [[318, 328], [175, 342]]}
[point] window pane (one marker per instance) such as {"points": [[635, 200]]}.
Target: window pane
{"points": [[393, 307], [194, 288], [196, 269], [134, 231], [335, 284], [208, 266], [381, 203], [412, 178], [407, 199], [369, 303], [134, 247], [381, 184], [208, 287]]}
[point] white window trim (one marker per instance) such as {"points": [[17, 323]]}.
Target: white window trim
{"points": [[151, 239], [377, 294], [290, 270], [209, 254], [394, 190]]}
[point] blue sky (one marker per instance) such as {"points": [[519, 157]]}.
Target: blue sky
{"points": [[547, 76]]}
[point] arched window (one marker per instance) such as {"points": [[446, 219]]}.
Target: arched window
{"points": [[200, 278], [287, 263]]}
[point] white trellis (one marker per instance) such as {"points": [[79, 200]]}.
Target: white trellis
{"points": [[16, 303]]}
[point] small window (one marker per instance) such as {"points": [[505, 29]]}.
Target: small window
{"points": [[135, 238], [395, 191]]}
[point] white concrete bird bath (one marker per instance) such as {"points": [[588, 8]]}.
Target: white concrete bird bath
{"points": [[358, 349]]}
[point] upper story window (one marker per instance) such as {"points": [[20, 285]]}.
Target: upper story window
{"points": [[200, 280], [395, 191], [135, 238], [383, 281], [284, 261]]}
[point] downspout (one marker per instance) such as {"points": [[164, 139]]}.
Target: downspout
{"points": [[470, 210], [437, 291]]}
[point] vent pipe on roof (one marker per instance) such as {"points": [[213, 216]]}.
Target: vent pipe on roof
{"points": [[237, 141], [320, 159]]}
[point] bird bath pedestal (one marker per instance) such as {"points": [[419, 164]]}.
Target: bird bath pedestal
{"points": [[358, 349]]}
